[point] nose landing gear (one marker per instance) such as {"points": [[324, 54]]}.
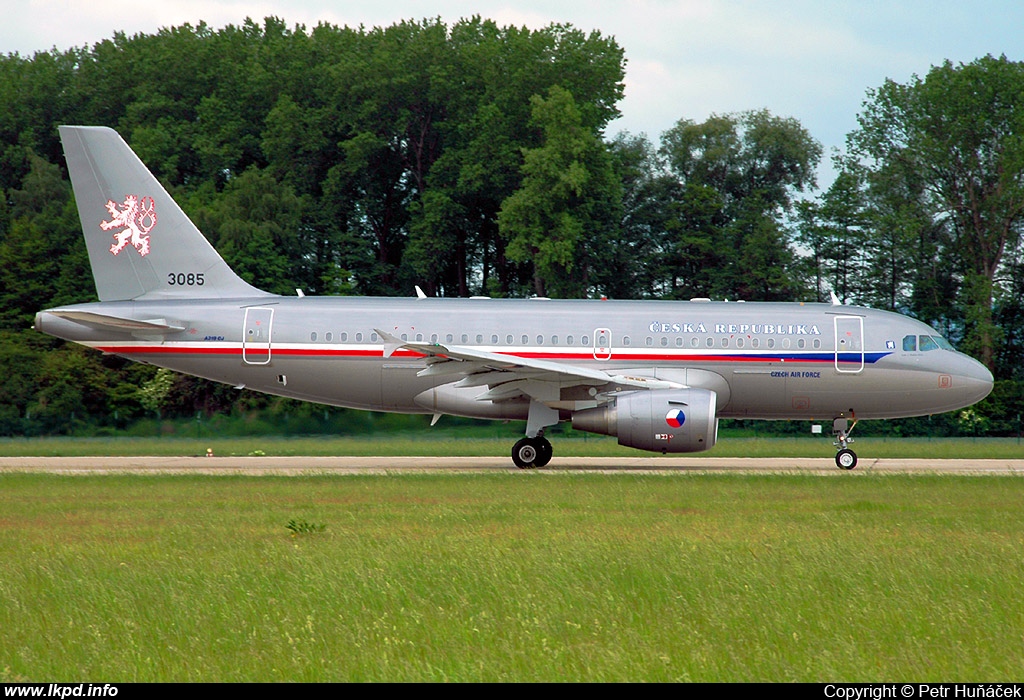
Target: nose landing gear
{"points": [[841, 429]]}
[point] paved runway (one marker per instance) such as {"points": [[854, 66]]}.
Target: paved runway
{"points": [[398, 465]]}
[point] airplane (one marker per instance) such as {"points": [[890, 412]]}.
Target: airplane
{"points": [[658, 375]]}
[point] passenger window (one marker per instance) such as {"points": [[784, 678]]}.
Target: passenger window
{"points": [[359, 337], [373, 337], [585, 340], [449, 338], [725, 342], [711, 342], [801, 343], [568, 340], [494, 339], [771, 343], [910, 343], [755, 343], [312, 336], [329, 336], [927, 343], [554, 340], [679, 341], [479, 338], [433, 337], [526, 339], [649, 341], [664, 342], [344, 337], [739, 342], [625, 340], [509, 339]]}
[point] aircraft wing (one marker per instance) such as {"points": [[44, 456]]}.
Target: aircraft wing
{"points": [[472, 367]]}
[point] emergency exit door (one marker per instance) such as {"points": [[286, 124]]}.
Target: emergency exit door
{"points": [[256, 336]]}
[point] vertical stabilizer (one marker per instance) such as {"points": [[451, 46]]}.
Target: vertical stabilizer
{"points": [[141, 244]]}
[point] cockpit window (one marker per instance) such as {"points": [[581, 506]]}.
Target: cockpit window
{"points": [[924, 343]]}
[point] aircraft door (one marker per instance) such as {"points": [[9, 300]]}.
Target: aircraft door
{"points": [[849, 344], [602, 344], [256, 336]]}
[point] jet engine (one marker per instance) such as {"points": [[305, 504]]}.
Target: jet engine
{"points": [[662, 420]]}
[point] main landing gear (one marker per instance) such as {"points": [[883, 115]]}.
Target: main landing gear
{"points": [[841, 429], [534, 450], [530, 453]]}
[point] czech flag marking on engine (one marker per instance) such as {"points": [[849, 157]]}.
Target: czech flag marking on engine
{"points": [[675, 418]]}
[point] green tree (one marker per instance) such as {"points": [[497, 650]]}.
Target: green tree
{"points": [[491, 75], [755, 164], [834, 230], [637, 261], [42, 254], [958, 135], [335, 160], [693, 250], [255, 224], [20, 356], [568, 193]]}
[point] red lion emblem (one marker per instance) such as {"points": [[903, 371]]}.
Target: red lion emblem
{"points": [[136, 218]]}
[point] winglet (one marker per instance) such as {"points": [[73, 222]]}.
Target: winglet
{"points": [[419, 292], [835, 299]]}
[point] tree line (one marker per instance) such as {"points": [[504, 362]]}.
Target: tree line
{"points": [[473, 159]]}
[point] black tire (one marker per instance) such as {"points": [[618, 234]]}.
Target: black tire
{"points": [[846, 459], [544, 452], [525, 454]]}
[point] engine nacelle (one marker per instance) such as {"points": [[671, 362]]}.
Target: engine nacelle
{"points": [[677, 420]]}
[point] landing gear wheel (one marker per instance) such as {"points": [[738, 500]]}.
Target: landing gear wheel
{"points": [[525, 454], [544, 452], [846, 459], [530, 453]]}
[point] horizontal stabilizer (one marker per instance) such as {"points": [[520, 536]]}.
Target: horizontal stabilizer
{"points": [[120, 323]]}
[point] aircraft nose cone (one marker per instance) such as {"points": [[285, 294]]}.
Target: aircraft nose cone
{"points": [[975, 380]]}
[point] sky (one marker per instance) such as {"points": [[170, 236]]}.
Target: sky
{"points": [[813, 60]]}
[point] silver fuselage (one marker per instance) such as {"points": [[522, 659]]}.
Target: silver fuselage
{"points": [[763, 360]]}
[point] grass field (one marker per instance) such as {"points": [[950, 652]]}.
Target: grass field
{"points": [[511, 576]]}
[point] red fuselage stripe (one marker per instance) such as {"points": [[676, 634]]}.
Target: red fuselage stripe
{"points": [[312, 352]]}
